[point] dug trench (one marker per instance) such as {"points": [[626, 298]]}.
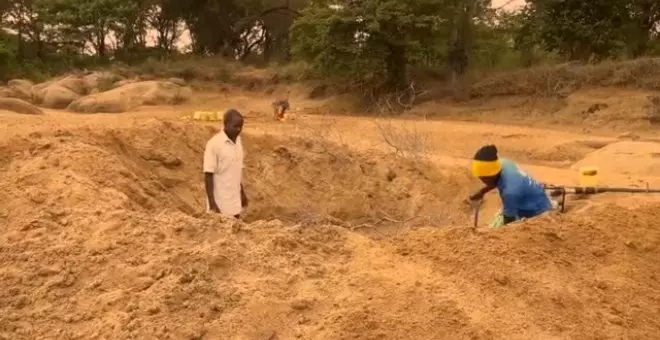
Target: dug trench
{"points": [[156, 166], [104, 237]]}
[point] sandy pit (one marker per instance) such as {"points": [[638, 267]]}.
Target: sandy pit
{"points": [[356, 230]]}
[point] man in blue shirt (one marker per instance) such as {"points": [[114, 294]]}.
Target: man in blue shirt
{"points": [[522, 196]]}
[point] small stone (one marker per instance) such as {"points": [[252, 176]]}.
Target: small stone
{"points": [[391, 175], [152, 310], [616, 320], [501, 279], [301, 304]]}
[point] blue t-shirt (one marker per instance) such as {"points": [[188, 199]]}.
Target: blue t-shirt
{"points": [[522, 196]]}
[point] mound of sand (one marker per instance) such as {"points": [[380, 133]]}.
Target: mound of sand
{"points": [[561, 276], [565, 154], [132, 95], [19, 106], [103, 238], [625, 157]]}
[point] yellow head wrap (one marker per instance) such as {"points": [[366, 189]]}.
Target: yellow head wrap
{"points": [[486, 168]]}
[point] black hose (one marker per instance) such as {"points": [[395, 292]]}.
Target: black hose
{"points": [[598, 190]]}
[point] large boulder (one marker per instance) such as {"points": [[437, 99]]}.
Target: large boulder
{"points": [[8, 92], [104, 102], [129, 96], [100, 81], [19, 106], [23, 83], [58, 97], [123, 82], [73, 83], [163, 93], [37, 92], [17, 88]]}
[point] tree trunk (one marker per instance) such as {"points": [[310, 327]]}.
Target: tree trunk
{"points": [[396, 67], [461, 41], [21, 44], [268, 47], [527, 57]]}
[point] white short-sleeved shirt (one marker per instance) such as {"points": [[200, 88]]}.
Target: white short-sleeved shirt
{"points": [[224, 159]]}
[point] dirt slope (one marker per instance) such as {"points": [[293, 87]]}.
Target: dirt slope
{"points": [[103, 236]]}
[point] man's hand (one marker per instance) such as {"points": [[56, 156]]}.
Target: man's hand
{"points": [[478, 196], [244, 200]]}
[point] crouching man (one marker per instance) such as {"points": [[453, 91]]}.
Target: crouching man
{"points": [[522, 196], [223, 168], [280, 107]]}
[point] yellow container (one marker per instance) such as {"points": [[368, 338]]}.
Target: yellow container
{"points": [[588, 176]]}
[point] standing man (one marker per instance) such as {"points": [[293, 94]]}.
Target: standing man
{"points": [[522, 196], [223, 168]]}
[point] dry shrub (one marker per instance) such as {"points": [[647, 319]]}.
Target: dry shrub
{"points": [[405, 141], [561, 80], [386, 101], [321, 131]]}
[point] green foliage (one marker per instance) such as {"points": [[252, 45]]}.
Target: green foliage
{"points": [[584, 30], [376, 44], [371, 41]]}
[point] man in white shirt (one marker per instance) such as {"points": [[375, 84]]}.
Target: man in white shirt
{"points": [[223, 168]]}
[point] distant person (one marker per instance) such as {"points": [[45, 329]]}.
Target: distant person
{"points": [[280, 107], [223, 168], [522, 196]]}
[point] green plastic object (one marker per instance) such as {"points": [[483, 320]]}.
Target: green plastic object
{"points": [[498, 221]]}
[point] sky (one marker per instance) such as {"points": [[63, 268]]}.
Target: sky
{"points": [[508, 4]]}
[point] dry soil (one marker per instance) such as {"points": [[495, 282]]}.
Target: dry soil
{"points": [[356, 230]]}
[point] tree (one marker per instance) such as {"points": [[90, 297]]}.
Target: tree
{"points": [[91, 20], [371, 40], [580, 30], [25, 18], [164, 17], [645, 18], [130, 28]]}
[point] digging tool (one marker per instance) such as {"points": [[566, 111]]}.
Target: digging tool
{"points": [[476, 206]]}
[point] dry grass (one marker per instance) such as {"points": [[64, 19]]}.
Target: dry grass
{"points": [[562, 80], [219, 70], [192, 68]]}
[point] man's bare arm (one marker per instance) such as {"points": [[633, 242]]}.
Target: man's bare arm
{"points": [[208, 184], [482, 192]]}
